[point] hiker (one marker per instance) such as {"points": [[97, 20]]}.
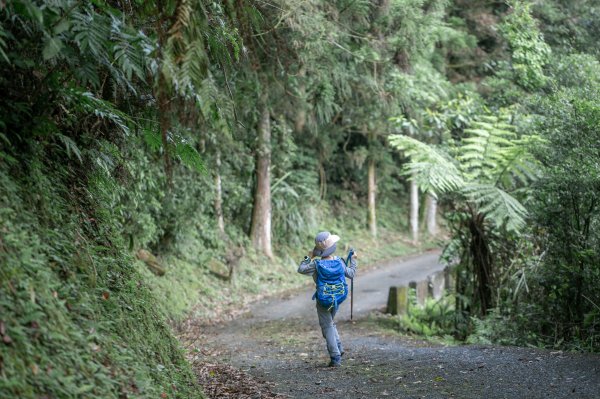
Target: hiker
{"points": [[330, 274]]}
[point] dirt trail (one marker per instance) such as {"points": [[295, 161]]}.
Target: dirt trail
{"points": [[277, 347]]}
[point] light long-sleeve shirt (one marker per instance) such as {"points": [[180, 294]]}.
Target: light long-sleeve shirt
{"points": [[309, 267]]}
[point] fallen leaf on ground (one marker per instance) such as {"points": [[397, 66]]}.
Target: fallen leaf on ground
{"points": [[224, 381]]}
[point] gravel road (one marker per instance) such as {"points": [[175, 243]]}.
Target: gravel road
{"points": [[278, 343], [370, 290]]}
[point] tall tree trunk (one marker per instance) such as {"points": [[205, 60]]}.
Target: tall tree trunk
{"points": [[164, 123], [322, 179], [300, 118], [383, 9], [162, 99], [260, 232], [372, 198], [219, 195], [482, 263], [430, 216], [414, 210]]}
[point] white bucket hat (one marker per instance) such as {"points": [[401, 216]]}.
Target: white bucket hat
{"points": [[325, 244]]}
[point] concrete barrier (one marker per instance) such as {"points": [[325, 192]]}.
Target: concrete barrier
{"points": [[436, 285], [449, 279], [397, 300], [421, 291], [432, 287]]}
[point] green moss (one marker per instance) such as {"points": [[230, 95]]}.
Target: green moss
{"points": [[77, 319]]}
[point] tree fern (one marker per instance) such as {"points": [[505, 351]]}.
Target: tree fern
{"points": [[434, 170], [497, 205], [480, 171], [487, 162]]}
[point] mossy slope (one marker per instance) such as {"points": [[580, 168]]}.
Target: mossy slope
{"points": [[76, 319]]}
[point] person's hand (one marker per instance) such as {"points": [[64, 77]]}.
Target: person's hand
{"points": [[354, 256], [310, 254]]}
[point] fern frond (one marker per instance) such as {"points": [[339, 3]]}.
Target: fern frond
{"points": [[153, 139], [126, 50], [182, 17], [483, 151], [190, 157], [3, 34], [86, 102], [194, 67], [92, 33], [87, 73], [70, 146], [435, 172], [499, 206]]}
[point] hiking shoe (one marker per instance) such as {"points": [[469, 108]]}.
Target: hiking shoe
{"points": [[336, 361]]}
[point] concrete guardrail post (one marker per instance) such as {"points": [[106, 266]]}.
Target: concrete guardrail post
{"points": [[436, 284], [421, 290], [398, 300], [449, 279]]}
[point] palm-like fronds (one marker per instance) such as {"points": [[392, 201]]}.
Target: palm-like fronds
{"points": [[488, 163], [499, 207], [434, 170], [481, 154]]}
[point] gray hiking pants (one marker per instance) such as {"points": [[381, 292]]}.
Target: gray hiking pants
{"points": [[329, 330]]}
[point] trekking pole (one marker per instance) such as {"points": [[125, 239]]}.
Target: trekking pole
{"points": [[351, 296], [348, 259]]}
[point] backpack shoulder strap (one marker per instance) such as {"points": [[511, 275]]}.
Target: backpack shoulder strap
{"points": [[317, 280]]}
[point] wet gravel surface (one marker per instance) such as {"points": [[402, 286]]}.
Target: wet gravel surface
{"points": [[288, 356]]}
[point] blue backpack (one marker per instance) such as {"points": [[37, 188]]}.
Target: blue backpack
{"points": [[332, 289]]}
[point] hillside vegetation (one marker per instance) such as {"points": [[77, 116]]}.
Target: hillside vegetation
{"points": [[161, 159]]}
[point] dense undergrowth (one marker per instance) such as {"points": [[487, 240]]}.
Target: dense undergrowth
{"points": [[76, 317]]}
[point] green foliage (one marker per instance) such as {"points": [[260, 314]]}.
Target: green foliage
{"points": [[529, 52], [434, 318], [568, 212], [487, 162], [477, 176], [547, 287], [569, 26], [95, 95], [71, 300]]}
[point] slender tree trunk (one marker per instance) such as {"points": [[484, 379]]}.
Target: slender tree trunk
{"points": [[482, 263], [164, 123], [219, 195], [383, 9], [322, 179], [414, 210], [260, 232], [430, 216], [372, 198], [300, 119], [162, 99]]}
